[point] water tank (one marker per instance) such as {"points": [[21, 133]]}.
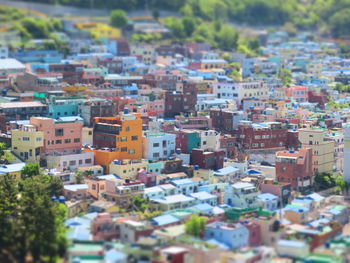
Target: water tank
{"points": [[126, 111], [178, 151], [4, 92], [54, 198], [196, 167], [62, 199], [116, 161]]}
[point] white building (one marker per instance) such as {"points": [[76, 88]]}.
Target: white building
{"points": [[243, 195], [70, 161], [11, 66], [226, 88], [158, 145], [209, 140], [4, 52]]}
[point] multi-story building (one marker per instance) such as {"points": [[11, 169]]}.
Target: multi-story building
{"points": [[127, 169], [72, 73], [59, 136], [199, 122], [298, 93], [226, 120], [23, 110], [264, 135], [122, 133], [208, 160], [146, 53], [322, 150], [158, 145], [232, 235], [295, 168], [347, 154], [186, 140], [98, 108], [226, 88], [177, 102], [242, 195], [27, 142], [209, 140]]}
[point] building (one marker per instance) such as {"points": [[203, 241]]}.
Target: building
{"points": [[242, 195], [209, 140], [322, 150], [127, 169], [122, 133], [158, 145], [266, 135], [226, 120], [208, 160], [177, 102], [295, 167], [98, 108], [347, 154], [60, 136], [11, 66], [23, 110], [27, 142], [173, 202], [13, 170], [233, 235], [186, 140]]}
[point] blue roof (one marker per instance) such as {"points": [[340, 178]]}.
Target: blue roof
{"points": [[164, 220], [267, 197], [182, 181], [300, 209], [11, 168], [291, 243]]}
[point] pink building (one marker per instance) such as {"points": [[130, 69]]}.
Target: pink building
{"points": [[149, 179], [156, 108], [298, 93], [59, 136]]}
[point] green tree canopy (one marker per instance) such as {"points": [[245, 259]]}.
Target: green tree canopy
{"points": [[195, 226], [118, 18]]}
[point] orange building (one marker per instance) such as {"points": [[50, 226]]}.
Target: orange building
{"points": [[122, 135]]}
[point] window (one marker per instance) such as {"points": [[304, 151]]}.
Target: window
{"points": [[58, 141], [131, 151], [77, 140], [155, 144], [88, 161], [25, 139], [67, 141], [59, 132], [72, 162], [127, 128], [80, 161], [38, 139], [124, 149], [123, 139], [155, 155], [134, 138]]}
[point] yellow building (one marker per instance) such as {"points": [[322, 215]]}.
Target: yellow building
{"points": [[13, 170], [322, 150], [99, 30], [127, 169], [27, 142]]}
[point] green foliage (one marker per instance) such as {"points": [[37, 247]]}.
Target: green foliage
{"points": [[328, 180], [30, 170], [189, 25], [37, 27], [147, 38], [342, 88], [344, 50], [286, 76], [31, 224], [195, 226], [118, 18], [140, 203], [155, 14]]}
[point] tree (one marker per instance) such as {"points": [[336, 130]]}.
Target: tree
{"points": [[286, 76], [155, 14], [140, 203], [118, 18], [227, 38], [31, 223], [189, 25], [30, 170], [195, 226]]}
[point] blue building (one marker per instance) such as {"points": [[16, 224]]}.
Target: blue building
{"points": [[38, 56]]}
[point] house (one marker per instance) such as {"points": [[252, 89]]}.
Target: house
{"points": [[127, 169], [131, 231], [243, 195], [296, 214], [208, 159], [13, 170], [26, 142], [158, 145], [291, 248], [295, 167], [23, 110], [205, 198], [75, 191], [11, 66], [154, 192], [233, 235], [172, 202], [269, 201], [185, 186]]}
